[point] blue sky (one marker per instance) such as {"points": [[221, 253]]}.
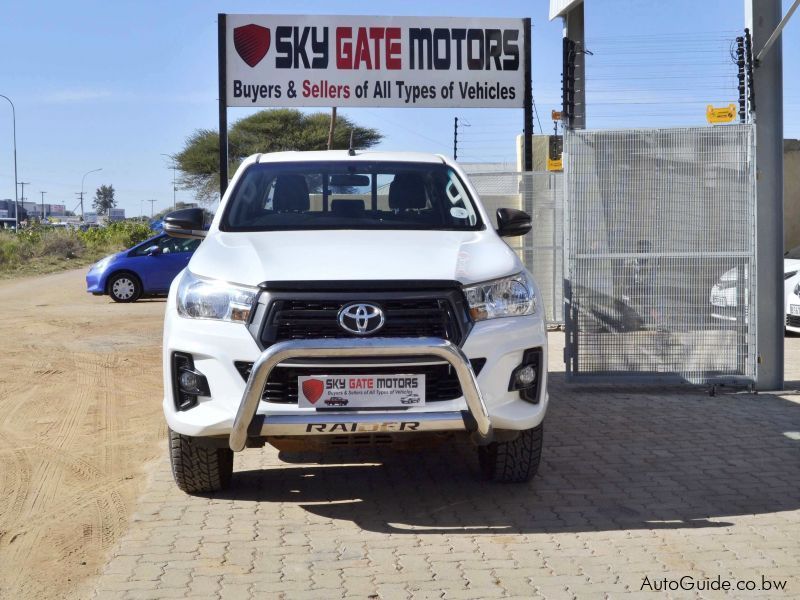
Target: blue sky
{"points": [[113, 85]]}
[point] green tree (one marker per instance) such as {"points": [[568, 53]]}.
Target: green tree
{"points": [[104, 199], [264, 131]]}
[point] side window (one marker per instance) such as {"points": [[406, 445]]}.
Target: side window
{"points": [[142, 250], [190, 245], [167, 244], [170, 245]]}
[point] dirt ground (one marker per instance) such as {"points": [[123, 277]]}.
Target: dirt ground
{"points": [[80, 417], [81, 428]]}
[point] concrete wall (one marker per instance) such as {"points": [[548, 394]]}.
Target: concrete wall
{"points": [[791, 194]]}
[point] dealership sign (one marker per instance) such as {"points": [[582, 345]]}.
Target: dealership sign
{"points": [[311, 60]]}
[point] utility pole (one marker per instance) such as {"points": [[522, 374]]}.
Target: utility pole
{"points": [[174, 189], [42, 217], [22, 184], [152, 203], [332, 128], [82, 181]]}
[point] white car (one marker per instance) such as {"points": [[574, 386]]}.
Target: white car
{"points": [[366, 277], [791, 285], [723, 297]]}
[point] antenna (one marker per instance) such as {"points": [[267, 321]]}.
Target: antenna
{"points": [[350, 151]]}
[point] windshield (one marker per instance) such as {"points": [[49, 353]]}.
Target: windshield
{"points": [[344, 195]]}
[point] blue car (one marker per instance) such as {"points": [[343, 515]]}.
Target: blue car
{"points": [[144, 270]]}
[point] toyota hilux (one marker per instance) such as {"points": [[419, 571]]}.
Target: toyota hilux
{"points": [[331, 288]]}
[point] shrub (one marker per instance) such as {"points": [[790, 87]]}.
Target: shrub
{"points": [[60, 244], [41, 248], [13, 250], [116, 236]]}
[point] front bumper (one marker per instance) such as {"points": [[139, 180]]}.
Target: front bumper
{"points": [[321, 424], [95, 282], [217, 346]]}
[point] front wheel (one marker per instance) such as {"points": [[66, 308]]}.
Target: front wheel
{"points": [[124, 287], [196, 468], [515, 461]]}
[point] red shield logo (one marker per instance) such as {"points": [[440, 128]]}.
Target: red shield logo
{"points": [[312, 389], [251, 42]]}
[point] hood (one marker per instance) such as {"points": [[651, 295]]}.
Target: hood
{"points": [[791, 264], [253, 257]]}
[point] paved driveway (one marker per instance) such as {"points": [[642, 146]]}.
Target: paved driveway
{"points": [[637, 486]]}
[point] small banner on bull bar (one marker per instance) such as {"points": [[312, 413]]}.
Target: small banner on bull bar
{"points": [[343, 60]]}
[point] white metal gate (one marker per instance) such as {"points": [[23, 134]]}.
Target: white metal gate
{"points": [[541, 195], [660, 268]]}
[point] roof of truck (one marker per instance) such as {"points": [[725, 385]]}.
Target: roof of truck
{"points": [[342, 155]]}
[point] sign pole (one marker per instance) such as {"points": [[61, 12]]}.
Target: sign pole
{"points": [[527, 109], [223, 104]]}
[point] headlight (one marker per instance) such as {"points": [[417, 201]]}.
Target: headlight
{"points": [[102, 263], [508, 297], [797, 289], [201, 298]]}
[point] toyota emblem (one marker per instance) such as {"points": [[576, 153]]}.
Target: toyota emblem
{"points": [[361, 318]]}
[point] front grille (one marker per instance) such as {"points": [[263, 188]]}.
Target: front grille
{"points": [[414, 317], [441, 381], [793, 320]]}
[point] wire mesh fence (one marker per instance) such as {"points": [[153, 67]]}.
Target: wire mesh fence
{"points": [[660, 252], [541, 195]]}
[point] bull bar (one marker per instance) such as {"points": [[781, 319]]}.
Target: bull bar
{"points": [[371, 347]]}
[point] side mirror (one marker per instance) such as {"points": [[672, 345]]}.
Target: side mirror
{"points": [[512, 222], [185, 223], [153, 251]]}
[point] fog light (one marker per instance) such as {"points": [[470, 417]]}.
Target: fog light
{"points": [[525, 376], [187, 384], [190, 382]]}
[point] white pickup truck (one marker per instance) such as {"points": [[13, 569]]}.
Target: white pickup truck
{"points": [[343, 297]]}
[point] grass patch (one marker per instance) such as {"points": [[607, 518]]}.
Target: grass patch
{"points": [[39, 250]]}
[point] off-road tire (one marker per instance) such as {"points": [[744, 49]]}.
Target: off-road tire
{"points": [[198, 469], [512, 462]]}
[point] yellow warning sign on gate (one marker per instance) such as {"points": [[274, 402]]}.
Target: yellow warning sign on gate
{"points": [[555, 165], [725, 114]]}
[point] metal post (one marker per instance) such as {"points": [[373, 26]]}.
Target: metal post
{"points": [[573, 30], [223, 103], [527, 110], [762, 17], [455, 138], [16, 196], [42, 217]]}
